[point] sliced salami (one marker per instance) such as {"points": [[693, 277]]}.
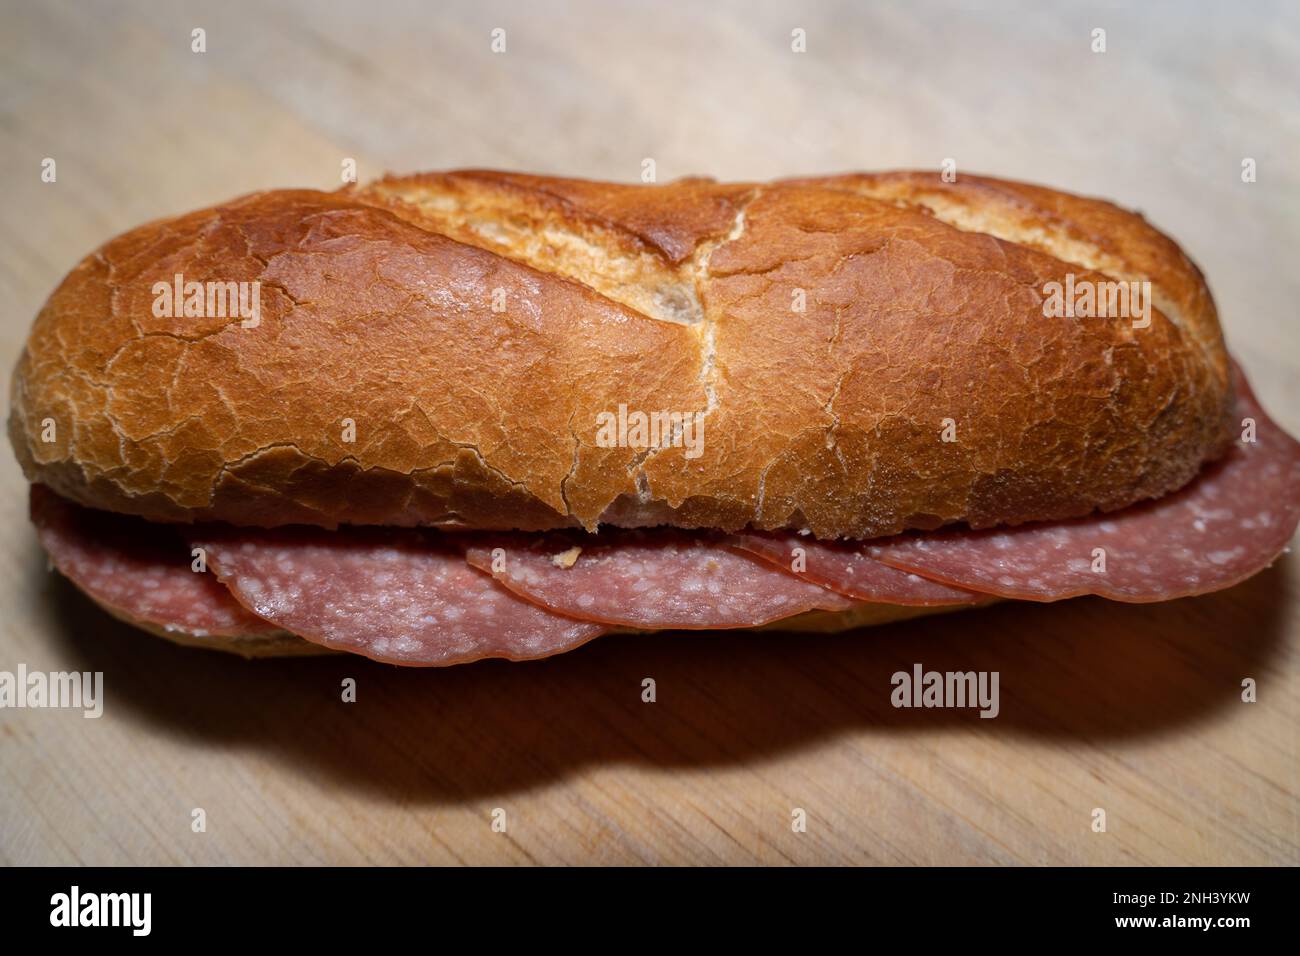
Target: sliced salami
{"points": [[843, 567], [651, 579], [138, 570], [1232, 521], [400, 596]]}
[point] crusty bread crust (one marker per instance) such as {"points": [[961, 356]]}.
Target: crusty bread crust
{"points": [[922, 305]]}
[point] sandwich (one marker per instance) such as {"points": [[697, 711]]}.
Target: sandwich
{"points": [[452, 416]]}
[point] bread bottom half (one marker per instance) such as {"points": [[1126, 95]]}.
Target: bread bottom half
{"points": [[285, 644]]}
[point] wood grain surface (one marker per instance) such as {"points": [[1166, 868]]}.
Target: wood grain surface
{"points": [[1133, 709]]}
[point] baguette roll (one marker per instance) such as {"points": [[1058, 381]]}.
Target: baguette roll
{"points": [[860, 354]]}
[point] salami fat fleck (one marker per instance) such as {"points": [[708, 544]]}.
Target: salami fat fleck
{"points": [[399, 596], [1231, 522], [843, 567], [650, 579], [139, 570]]}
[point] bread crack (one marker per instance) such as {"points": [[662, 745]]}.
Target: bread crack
{"points": [[1062, 241], [546, 236], [709, 370]]}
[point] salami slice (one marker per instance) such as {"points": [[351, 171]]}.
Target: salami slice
{"points": [[651, 579], [1232, 521], [843, 567], [400, 596], [138, 570]]}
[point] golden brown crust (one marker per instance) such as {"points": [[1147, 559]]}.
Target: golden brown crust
{"points": [[922, 302]]}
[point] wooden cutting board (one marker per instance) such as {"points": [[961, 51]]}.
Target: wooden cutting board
{"points": [[1133, 710]]}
